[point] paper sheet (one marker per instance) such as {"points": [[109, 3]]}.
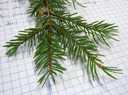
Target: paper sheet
{"points": [[17, 75]]}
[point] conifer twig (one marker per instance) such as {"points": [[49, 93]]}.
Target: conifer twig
{"points": [[57, 31], [78, 45]]}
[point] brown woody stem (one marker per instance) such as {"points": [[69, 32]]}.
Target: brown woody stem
{"points": [[77, 44], [52, 13], [49, 37]]}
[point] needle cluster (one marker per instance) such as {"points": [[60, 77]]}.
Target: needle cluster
{"points": [[57, 33]]}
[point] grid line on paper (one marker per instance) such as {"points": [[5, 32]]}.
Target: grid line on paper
{"points": [[115, 55], [117, 65], [8, 60], [1, 65], [23, 55], [16, 62], [74, 85], [1, 77], [67, 65], [109, 64]]}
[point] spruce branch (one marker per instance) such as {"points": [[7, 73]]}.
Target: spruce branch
{"points": [[103, 29], [91, 57], [57, 33]]}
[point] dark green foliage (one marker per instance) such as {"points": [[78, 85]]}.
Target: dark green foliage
{"points": [[58, 33]]}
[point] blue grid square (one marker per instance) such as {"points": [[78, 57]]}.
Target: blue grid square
{"points": [[17, 73]]}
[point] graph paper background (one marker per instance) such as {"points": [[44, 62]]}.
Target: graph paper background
{"points": [[17, 75]]}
